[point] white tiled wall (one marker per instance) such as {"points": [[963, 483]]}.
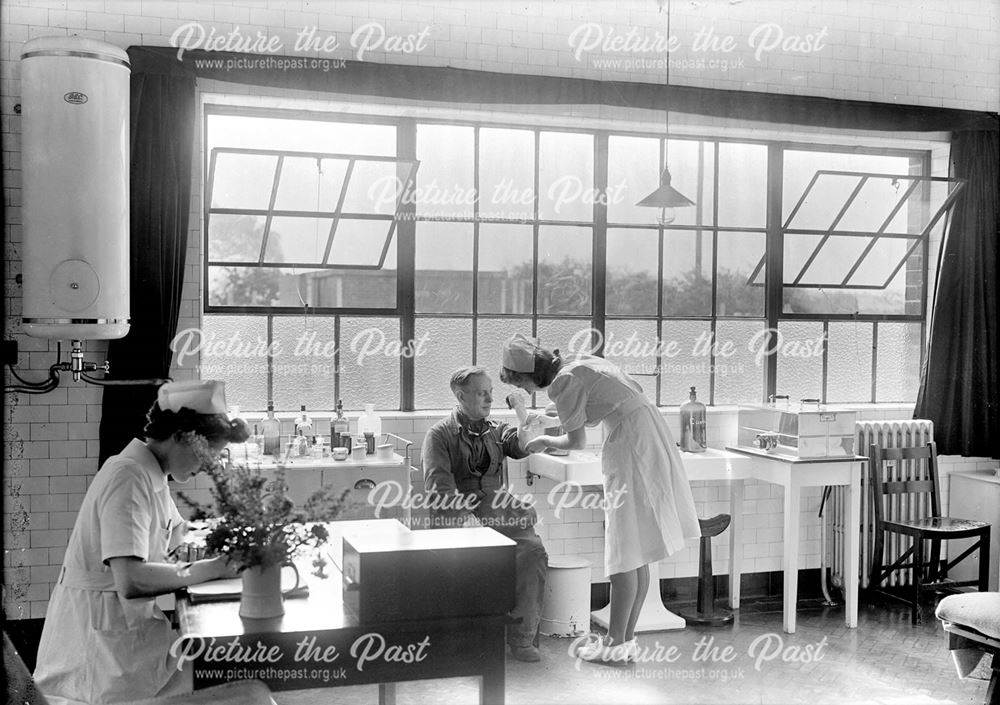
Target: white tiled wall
{"points": [[893, 51]]}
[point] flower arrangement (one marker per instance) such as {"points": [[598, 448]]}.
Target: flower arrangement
{"points": [[254, 522]]}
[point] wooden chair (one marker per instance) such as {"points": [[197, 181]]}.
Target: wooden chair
{"points": [[904, 483]]}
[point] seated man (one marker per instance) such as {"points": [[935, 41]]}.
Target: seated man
{"points": [[464, 456]]}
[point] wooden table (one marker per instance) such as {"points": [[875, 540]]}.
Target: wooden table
{"points": [[317, 643]]}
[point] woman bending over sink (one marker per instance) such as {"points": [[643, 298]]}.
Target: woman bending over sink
{"points": [[640, 464]]}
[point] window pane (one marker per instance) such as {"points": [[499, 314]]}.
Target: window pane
{"points": [[898, 359], [682, 364], [739, 374], [849, 362], [243, 180], [631, 272], [687, 273], [823, 204], [245, 375], [873, 204], [374, 188], [920, 207], [566, 176], [506, 173], [632, 345], [738, 256], [800, 359], [298, 239], [304, 366], [505, 272], [443, 279], [691, 162], [247, 286], [446, 346], [445, 185], [833, 261], [304, 135], [564, 269], [234, 238], [309, 184], [369, 362], [344, 288], [492, 334], [360, 242], [633, 173], [742, 184]]}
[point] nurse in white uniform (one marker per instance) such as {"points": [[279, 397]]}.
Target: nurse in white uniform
{"points": [[650, 511], [104, 639]]}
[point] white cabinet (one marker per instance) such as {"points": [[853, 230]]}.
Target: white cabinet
{"points": [[975, 495]]}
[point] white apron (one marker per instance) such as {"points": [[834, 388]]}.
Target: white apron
{"points": [[96, 646], [649, 508]]}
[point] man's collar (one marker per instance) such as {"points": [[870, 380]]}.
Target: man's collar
{"points": [[459, 420]]}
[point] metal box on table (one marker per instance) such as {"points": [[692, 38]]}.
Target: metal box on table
{"points": [[811, 431], [431, 574]]}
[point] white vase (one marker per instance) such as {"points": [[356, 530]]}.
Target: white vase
{"points": [[261, 597]]}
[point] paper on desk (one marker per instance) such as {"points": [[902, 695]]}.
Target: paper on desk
{"points": [[232, 588]]}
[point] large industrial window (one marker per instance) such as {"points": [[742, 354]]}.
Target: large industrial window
{"points": [[328, 241]]}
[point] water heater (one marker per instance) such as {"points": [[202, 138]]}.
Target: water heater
{"points": [[75, 169]]}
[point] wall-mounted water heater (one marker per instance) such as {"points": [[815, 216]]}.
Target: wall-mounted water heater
{"points": [[75, 168]]}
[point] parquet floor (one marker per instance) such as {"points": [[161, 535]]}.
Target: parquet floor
{"points": [[884, 661]]}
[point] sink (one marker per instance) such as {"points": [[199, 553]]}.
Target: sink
{"points": [[580, 466]]}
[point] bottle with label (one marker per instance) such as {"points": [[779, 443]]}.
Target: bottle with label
{"points": [[370, 423], [271, 430], [692, 415], [340, 428]]}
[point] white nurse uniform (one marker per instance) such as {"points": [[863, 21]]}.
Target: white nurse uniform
{"points": [[96, 646]]}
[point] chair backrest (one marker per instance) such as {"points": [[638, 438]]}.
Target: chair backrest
{"points": [[904, 482]]}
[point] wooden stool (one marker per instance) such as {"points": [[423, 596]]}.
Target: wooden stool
{"points": [[706, 614]]}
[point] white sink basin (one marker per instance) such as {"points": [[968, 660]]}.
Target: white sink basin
{"points": [[580, 466]]}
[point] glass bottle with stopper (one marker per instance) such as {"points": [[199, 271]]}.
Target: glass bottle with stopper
{"points": [[692, 413]]}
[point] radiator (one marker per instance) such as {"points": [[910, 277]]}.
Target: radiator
{"points": [[885, 434]]}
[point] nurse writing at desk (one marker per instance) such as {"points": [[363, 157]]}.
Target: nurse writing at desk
{"points": [[104, 639]]}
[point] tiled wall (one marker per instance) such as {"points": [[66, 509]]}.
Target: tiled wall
{"points": [[892, 51]]}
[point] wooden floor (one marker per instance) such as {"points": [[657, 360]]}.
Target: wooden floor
{"points": [[883, 661]]}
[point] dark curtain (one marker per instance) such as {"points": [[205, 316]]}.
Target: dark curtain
{"points": [[163, 114], [960, 382]]}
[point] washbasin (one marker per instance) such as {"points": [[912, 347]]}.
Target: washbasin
{"points": [[580, 466]]}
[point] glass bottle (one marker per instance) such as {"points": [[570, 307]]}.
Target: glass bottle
{"points": [[341, 430], [370, 427], [271, 430], [304, 424], [692, 414]]}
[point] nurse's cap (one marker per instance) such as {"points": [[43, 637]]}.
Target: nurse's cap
{"points": [[201, 396], [519, 354]]}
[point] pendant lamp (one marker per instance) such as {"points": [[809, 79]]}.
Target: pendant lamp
{"points": [[666, 197]]}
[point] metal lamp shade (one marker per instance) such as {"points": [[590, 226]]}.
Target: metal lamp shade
{"points": [[666, 196]]}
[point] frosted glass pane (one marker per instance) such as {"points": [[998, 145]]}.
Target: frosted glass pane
{"points": [[245, 375], [506, 173], [566, 176], [447, 345], [898, 373], [505, 271], [738, 256], [742, 184], [492, 334], [564, 269], [444, 268], [632, 346], [800, 360], [633, 173], [682, 365], [631, 272], [369, 362], [849, 362], [243, 180], [304, 366], [687, 273], [445, 186], [739, 375], [568, 335]]}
